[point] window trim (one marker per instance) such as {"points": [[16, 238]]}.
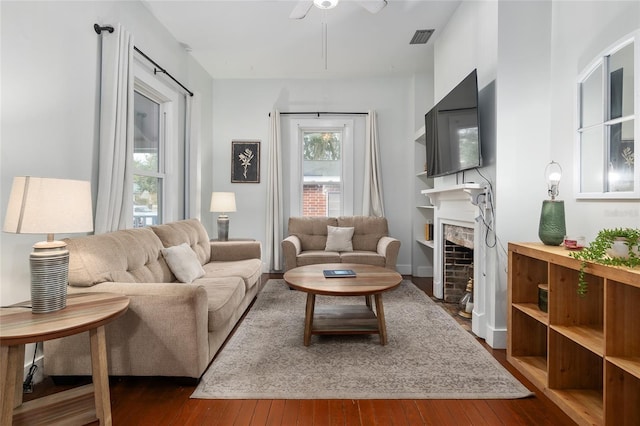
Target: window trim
{"points": [[606, 122]]}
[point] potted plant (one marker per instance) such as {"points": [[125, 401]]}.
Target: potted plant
{"points": [[616, 247]]}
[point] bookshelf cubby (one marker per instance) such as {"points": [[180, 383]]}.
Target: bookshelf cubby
{"points": [[584, 352], [422, 250]]}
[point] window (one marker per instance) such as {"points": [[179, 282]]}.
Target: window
{"points": [[607, 125], [322, 179], [322, 173], [155, 186], [148, 161]]}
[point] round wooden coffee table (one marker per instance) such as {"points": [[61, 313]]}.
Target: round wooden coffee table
{"points": [[344, 319]]}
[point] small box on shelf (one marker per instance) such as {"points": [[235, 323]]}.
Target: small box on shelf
{"points": [[543, 297], [428, 231]]}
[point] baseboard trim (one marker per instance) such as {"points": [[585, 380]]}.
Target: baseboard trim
{"points": [[424, 271], [496, 337]]}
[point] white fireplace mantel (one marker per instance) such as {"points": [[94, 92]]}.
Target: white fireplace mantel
{"points": [[466, 191], [462, 205]]}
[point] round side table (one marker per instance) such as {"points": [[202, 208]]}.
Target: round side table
{"points": [[18, 326]]}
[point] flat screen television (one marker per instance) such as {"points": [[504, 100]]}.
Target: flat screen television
{"points": [[452, 131]]}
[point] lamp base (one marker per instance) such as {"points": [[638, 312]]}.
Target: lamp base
{"points": [[552, 227], [223, 227], [49, 276]]}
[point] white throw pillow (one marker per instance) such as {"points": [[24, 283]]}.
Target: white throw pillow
{"points": [[339, 238], [183, 262]]}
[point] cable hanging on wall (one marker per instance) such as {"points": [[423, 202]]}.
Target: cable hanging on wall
{"points": [[157, 68]]}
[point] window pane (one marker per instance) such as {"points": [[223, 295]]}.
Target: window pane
{"points": [[147, 192], [321, 200], [592, 160], [592, 100], [146, 133], [621, 82], [621, 143], [322, 174]]}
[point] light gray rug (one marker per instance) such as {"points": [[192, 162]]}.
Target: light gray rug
{"points": [[428, 355]]}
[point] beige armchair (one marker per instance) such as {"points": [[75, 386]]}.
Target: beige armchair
{"points": [[371, 243]]}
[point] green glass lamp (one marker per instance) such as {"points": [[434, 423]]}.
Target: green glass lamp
{"points": [[552, 228]]}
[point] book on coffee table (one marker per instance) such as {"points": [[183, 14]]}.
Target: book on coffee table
{"points": [[338, 273]]}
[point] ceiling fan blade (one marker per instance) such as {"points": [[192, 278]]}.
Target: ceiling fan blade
{"points": [[373, 6], [301, 9]]}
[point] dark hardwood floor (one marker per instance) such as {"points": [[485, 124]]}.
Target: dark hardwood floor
{"points": [[165, 401]]}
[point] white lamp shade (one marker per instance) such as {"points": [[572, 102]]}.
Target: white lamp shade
{"points": [[49, 206], [223, 202]]}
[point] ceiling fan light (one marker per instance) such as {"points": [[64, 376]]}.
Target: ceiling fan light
{"points": [[325, 4]]}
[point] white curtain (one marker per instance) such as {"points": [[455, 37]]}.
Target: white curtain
{"points": [[275, 204], [116, 132], [372, 204], [193, 177]]}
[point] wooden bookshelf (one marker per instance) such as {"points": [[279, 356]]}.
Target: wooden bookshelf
{"points": [[584, 353]]}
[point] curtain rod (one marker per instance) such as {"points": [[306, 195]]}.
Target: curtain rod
{"points": [[98, 29], [323, 113]]}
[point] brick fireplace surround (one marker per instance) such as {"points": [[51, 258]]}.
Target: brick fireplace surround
{"points": [[457, 261]]}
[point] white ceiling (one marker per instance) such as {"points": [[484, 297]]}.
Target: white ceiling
{"points": [[257, 39]]}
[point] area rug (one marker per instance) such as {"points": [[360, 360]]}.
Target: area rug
{"points": [[428, 355]]}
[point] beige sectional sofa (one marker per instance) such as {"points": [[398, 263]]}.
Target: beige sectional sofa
{"points": [[172, 328], [370, 244]]}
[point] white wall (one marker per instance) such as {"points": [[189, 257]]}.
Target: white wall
{"points": [[50, 96], [580, 32], [240, 111], [470, 41], [533, 50], [523, 115]]}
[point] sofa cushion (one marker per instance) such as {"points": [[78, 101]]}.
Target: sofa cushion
{"points": [[183, 262], [129, 255], [368, 231], [249, 270], [188, 231], [339, 238], [224, 295], [312, 257], [311, 230], [363, 257]]}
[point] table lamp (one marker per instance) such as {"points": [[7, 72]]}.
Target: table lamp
{"points": [[47, 206], [223, 202], [552, 228]]}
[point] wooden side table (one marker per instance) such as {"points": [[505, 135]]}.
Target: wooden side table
{"points": [[18, 326]]}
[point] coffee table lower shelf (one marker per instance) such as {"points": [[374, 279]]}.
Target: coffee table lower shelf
{"points": [[345, 319]]}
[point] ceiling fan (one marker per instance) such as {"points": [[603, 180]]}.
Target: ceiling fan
{"points": [[303, 6]]}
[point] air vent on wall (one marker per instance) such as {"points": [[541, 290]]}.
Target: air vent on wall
{"points": [[421, 36]]}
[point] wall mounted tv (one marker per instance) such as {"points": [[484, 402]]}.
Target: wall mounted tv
{"points": [[452, 131]]}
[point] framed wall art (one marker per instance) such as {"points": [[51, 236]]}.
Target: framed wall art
{"points": [[245, 161]]}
